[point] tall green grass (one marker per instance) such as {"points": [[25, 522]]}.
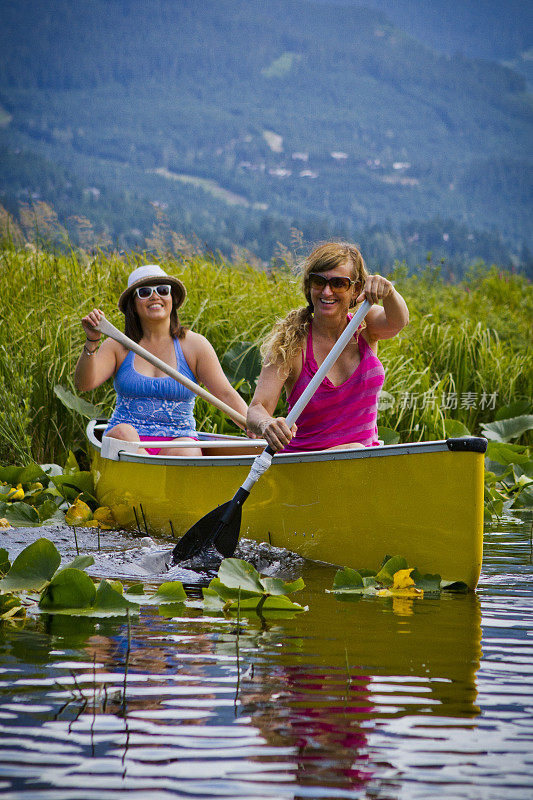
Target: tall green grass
{"points": [[473, 340]]}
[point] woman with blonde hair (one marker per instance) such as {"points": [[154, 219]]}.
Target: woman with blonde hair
{"points": [[342, 413]]}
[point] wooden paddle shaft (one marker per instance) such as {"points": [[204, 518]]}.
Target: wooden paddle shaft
{"points": [[106, 327]]}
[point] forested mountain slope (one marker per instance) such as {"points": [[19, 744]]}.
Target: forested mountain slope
{"points": [[239, 118]]}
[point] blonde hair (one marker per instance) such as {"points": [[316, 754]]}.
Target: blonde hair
{"points": [[288, 335]]}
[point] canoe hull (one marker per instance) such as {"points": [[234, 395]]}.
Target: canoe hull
{"points": [[351, 508]]}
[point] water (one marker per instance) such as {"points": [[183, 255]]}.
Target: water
{"points": [[378, 698]]}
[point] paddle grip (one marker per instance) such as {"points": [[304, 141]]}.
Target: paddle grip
{"points": [[260, 464]]}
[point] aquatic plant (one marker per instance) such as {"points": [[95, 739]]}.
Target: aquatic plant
{"points": [[36, 494], [37, 580], [240, 589], [508, 466], [393, 579], [468, 345]]}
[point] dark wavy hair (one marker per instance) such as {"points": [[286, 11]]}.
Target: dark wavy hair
{"points": [[132, 323]]}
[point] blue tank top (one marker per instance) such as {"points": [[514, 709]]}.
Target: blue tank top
{"points": [[154, 406]]}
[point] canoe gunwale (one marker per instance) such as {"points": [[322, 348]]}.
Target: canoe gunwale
{"points": [[461, 444]]}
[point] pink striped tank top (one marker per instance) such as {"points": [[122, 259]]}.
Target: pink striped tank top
{"points": [[338, 414]]}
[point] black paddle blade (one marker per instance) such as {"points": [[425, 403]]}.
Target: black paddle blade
{"points": [[219, 528], [198, 537]]}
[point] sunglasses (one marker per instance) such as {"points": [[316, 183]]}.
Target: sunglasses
{"points": [[144, 292], [337, 284]]}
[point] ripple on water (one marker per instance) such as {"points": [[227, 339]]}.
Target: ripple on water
{"points": [[374, 698]]}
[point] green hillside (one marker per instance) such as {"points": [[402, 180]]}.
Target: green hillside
{"points": [[239, 121]]}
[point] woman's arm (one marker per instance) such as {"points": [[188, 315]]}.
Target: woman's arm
{"points": [[208, 371], [260, 420], [95, 364], [383, 322]]}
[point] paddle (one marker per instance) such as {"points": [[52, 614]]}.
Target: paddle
{"points": [[220, 528], [104, 326]]}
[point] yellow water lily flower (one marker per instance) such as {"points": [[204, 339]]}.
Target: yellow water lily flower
{"points": [[16, 494], [79, 513], [403, 584], [4, 523], [105, 518], [402, 579]]}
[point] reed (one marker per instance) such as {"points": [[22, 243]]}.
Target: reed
{"points": [[471, 341]]}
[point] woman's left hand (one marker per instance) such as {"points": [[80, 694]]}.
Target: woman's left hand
{"points": [[376, 288]]}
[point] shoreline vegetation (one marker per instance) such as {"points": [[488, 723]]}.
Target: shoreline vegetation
{"points": [[463, 363]]}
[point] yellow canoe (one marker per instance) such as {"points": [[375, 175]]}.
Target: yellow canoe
{"points": [[423, 500]]}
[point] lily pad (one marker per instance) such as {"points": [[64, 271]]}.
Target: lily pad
{"points": [[347, 580], [72, 484], [49, 511], [506, 453], [504, 430], [278, 587], [515, 409], [10, 606], [271, 606], [20, 515], [235, 573], [388, 435], [4, 561], [75, 403], [108, 599], [80, 562], [135, 588], [69, 589], [168, 592], [15, 475], [429, 583], [232, 592], [33, 568], [213, 601], [454, 586], [453, 428], [51, 470], [525, 498], [71, 464], [171, 591], [392, 565], [243, 361]]}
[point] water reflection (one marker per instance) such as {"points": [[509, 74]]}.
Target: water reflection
{"points": [[382, 697], [353, 666]]}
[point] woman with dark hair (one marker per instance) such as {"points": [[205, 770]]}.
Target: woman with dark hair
{"points": [[151, 406], [342, 413]]}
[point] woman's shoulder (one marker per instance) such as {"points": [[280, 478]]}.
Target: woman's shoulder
{"points": [[111, 347], [194, 341], [196, 349]]}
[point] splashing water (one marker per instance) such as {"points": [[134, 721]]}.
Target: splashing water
{"points": [[128, 557]]}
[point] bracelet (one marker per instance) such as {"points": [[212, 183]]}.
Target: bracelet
{"points": [[89, 352]]}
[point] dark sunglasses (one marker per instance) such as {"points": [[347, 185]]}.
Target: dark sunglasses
{"points": [[144, 292], [337, 284]]}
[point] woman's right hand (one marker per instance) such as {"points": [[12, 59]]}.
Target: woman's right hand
{"points": [[90, 322], [276, 432]]}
